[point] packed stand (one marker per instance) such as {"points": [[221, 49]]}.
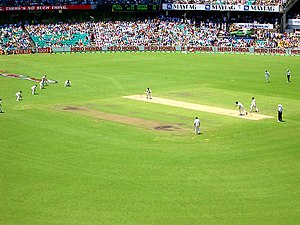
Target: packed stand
{"points": [[13, 37], [60, 35], [273, 39], [177, 33], [154, 32]]}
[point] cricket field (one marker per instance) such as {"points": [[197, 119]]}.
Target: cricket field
{"points": [[88, 155]]}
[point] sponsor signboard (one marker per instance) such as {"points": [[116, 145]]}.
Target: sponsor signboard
{"points": [[221, 7], [295, 51], [170, 6], [211, 49], [21, 51], [44, 50], [294, 22], [85, 49]]}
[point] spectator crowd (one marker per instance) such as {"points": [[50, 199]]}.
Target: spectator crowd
{"points": [[59, 35], [14, 37], [153, 32]]}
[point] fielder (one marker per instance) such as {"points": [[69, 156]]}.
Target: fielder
{"points": [[19, 95], [41, 84], [253, 105], [241, 108], [279, 110], [67, 83], [1, 111], [33, 89], [288, 75], [44, 80], [197, 125], [267, 75], [148, 93]]}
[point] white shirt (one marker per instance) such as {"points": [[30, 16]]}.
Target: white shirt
{"points": [[240, 105], [267, 74], [197, 122], [18, 94], [33, 87], [280, 108], [253, 102]]}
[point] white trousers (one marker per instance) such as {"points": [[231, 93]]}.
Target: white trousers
{"points": [[197, 130]]}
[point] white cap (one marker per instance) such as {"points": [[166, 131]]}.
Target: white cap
{"points": [[279, 105]]}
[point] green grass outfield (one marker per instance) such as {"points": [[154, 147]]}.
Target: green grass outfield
{"points": [[58, 167]]}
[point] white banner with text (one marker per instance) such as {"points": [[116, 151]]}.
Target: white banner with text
{"points": [[221, 7]]}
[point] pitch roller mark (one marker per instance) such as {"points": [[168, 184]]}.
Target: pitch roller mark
{"points": [[198, 107]]}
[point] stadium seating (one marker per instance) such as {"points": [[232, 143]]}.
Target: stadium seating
{"points": [[13, 37], [136, 33], [58, 35]]}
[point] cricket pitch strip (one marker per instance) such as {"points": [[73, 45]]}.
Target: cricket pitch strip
{"points": [[198, 107]]}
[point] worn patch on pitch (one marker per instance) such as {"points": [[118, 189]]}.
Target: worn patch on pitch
{"points": [[71, 108], [198, 107], [133, 121]]}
